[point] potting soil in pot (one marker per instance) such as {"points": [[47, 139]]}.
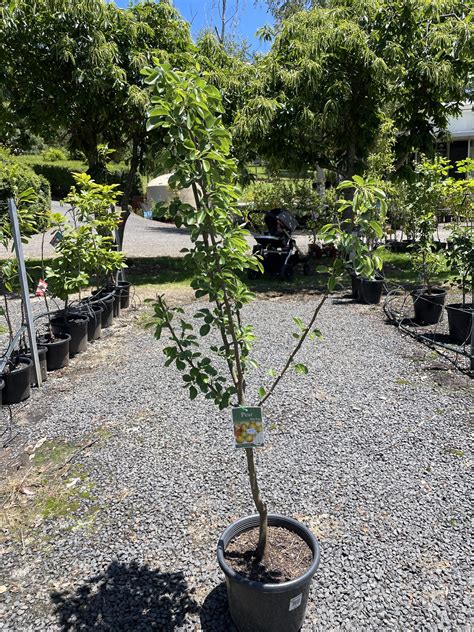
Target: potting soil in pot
{"points": [[287, 556]]}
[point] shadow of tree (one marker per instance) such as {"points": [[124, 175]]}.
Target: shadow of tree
{"points": [[214, 613], [126, 598]]}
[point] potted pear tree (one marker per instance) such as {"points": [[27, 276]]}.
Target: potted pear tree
{"points": [[198, 147], [461, 263]]}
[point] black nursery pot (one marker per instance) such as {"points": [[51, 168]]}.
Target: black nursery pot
{"points": [[42, 354], [460, 322], [17, 382], [94, 327], [107, 315], [124, 294], [259, 607], [354, 285], [74, 324], [2, 386], [370, 291], [428, 307], [57, 356]]}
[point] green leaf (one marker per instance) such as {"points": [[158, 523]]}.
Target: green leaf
{"points": [[301, 368], [193, 392], [205, 329], [261, 392]]}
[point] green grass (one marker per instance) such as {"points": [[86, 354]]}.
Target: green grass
{"points": [[168, 272]]}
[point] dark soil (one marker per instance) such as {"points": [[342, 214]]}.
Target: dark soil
{"points": [[287, 556]]}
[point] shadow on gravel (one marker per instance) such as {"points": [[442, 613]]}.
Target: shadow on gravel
{"points": [[214, 612], [125, 598]]}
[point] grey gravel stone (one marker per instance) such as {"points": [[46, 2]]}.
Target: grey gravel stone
{"points": [[347, 453]]}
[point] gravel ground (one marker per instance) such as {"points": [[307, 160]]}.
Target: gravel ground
{"points": [[370, 450]]}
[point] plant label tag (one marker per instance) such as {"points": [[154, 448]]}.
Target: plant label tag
{"points": [[295, 602], [41, 288], [56, 238], [248, 426]]}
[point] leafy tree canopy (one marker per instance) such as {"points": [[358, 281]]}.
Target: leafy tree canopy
{"points": [[336, 74]]}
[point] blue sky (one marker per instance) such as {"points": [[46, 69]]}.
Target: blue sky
{"points": [[204, 14]]}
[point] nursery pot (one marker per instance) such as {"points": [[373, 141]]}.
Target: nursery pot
{"points": [[117, 302], [460, 322], [370, 291], [57, 356], [94, 327], [124, 294], [428, 307], [2, 386], [74, 324], [17, 382], [42, 354], [262, 607], [107, 315], [354, 285]]}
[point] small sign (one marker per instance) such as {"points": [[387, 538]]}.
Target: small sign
{"points": [[56, 238], [248, 427], [295, 602], [147, 214], [41, 288]]}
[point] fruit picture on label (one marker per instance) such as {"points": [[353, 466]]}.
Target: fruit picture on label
{"points": [[248, 427]]}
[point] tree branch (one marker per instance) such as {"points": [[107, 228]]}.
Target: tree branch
{"points": [[295, 351]]}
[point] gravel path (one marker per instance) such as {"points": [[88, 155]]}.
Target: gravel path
{"points": [[370, 450]]}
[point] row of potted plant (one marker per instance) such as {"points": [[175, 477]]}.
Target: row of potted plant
{"points": [[85, 254]]}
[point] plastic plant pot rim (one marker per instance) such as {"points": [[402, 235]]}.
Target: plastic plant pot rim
{"points": [[274, 520], [468, 308], [423, 291], [58, 339]]}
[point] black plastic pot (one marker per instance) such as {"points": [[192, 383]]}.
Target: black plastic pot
{"points": [[42, 354], [17, 382], [76, 326], [428, 306], [460, 322], [117, 302], [370, 291], [258, 607], [124, 294], [354, 285], [2, 386], [57, 356], [107, 315], [94, 327]]}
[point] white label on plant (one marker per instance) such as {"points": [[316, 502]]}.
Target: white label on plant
{"points": [[295, 602]]}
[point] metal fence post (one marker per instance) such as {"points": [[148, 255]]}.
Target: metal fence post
{"points": [[25, 294]]}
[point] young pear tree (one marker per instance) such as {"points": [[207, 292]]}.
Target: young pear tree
{"points": [[198, 147]]}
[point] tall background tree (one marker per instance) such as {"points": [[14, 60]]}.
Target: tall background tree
{"points": [[75, 65], [337, 73]]}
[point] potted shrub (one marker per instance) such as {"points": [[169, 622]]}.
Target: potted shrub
{"points": [[356, 234], [428, 300], [93, 204], [85, 250], [460, 263], [198, 154]]}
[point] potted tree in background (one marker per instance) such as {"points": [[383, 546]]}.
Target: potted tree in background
{"points": [[356, 235], [461, 264], [429, 299], [198, 146]]}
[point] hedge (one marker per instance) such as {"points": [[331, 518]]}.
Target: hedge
{"points": [[16, 177], [59, 174]]}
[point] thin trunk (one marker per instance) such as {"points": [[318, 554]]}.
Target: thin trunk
{"points": [[240, 385], [127, 194]]}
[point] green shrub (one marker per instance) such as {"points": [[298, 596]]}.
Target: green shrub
{"points": [[60, 178], [16, 177], [296, 195], [53, 154]]}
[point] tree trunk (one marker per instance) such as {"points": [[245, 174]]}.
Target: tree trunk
{"points": [[128, 189]]}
